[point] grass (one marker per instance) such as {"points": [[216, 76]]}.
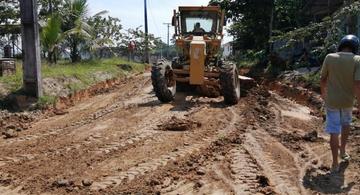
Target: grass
{"points": [[13, 82], [82, 71], [45, 100], [312, 79], [245, 63]]}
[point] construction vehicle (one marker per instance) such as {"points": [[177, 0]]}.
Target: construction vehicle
{"points": [[198, 36]]}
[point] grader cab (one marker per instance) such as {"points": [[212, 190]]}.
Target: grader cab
{"points": [[198, 36]]}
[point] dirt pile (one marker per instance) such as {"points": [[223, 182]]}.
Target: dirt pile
{"points": [[311, 136], [299, 94], [179, 124], [11, 123]]}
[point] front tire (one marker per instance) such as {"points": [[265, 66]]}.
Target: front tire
{"points": [[230, 84], [162, 78]]}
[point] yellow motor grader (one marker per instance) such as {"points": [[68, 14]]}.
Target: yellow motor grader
{"points": [[198, 36]]}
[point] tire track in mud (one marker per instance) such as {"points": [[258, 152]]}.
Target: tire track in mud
{"points": [[278, 174], [141, 169], [142, 132], [306, 158], [281, 165], [145, 131], [92, 118], [244, 170], [302, 156], [105, 148]]}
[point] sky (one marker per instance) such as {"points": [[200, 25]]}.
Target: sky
{"points": [[131, 13]]}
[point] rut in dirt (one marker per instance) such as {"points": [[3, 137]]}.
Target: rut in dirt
{"points": [[126, 141]]}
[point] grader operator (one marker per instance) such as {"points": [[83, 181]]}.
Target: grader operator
{"points": [[198, 36]]}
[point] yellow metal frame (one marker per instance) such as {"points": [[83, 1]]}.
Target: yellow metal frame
{"points": [[197, 48]]}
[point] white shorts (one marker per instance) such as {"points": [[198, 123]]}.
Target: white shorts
{"points": [[336, 119]]}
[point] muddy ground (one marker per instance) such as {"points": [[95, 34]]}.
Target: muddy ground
{"points": [[126, 141]]}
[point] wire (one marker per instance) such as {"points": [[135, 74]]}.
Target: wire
{"points": [[153, 19]]}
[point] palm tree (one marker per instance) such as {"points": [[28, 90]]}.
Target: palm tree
{"points": [[76, 29], [51, 37]]}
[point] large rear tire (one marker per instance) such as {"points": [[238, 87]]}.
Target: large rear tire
{"points": [[230, 84], [163, 81]]}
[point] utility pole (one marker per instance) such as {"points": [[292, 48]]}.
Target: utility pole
{"points": [[168, 38], [31, 48], [147, 57]]}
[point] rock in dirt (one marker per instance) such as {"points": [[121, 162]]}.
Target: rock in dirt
{"points": [[60, 112], [314, 162], [87, 182], [13, 127], [199, 184], [178, 124], [200, 171], [10, 133], [63, 183], [219, 158], [303, 155], [154, 182], [5, 179], [311, 137], [263, 181]]}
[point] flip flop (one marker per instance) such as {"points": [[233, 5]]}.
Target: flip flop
{"points": [[345, 157]]}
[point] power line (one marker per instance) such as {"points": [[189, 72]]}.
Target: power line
{"points": [[153, 18], [168, 38]]}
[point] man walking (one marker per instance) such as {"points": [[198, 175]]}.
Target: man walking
{"points": [[340, 82]]}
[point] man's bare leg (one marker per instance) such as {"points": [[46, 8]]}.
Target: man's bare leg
{"points": [[334, 144], [344, 136]]}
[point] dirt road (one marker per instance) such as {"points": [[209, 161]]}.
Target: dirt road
{"points": [[125, 141]]}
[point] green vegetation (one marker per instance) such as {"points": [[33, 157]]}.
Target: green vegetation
{"points": [[312, 79], [254, 22], [246, 63], [249, 58], [13, 82], [45, 100], [324, 35], [83, 71], [67, 29]]}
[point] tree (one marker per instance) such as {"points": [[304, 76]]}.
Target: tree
{"points": [[252, 18], [250, 21], [75, 26], [9, 14], [106, 32], [48, 7], [51, 37], [138, 36], [9, 22]]}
